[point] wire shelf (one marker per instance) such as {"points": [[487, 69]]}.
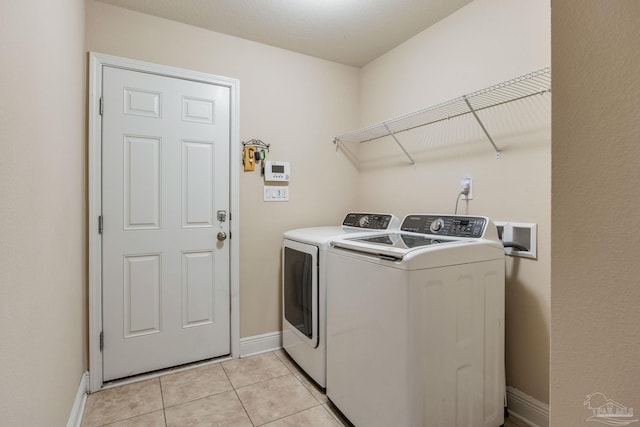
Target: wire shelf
{"points": [[535, 83]]}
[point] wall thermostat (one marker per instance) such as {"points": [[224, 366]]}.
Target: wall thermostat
{"points": [[276, 171]]}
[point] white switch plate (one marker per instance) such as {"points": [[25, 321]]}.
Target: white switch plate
{"points": [[276, 193]]}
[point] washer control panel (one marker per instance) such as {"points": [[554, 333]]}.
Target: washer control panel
{"points": [[452, 226], [368, 221]]}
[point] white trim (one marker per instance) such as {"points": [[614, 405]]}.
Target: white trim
{"points": [[260, 343], [75, 418], [95, 209], [527, 409], [97, 61]]}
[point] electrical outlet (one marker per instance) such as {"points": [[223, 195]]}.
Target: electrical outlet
{"points": [[467, 184]]}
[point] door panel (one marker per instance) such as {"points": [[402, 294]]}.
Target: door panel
{"points": [[197, 292], [165, 154], [141, 295], [198, 110], [142, 170], [197, 175], [138, 102]]}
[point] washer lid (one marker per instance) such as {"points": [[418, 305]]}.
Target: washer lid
{"points": [[392, 245], [401, 240]]}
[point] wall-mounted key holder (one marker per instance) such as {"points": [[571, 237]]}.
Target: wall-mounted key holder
{"points": [[254, 151], [249, 158]]}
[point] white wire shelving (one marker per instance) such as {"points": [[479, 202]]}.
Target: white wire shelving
{"points": [[535, 83]]}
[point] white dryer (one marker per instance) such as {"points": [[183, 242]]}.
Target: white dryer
{"points": [[304, 280], [415, 324]]}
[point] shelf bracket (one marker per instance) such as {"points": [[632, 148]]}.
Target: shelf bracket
{"points": [[466, 100], [346, 149], [413, 162]]}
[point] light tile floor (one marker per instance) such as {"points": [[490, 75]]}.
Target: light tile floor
{"points": [[262, 390]]}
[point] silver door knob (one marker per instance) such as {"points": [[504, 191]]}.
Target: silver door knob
{"points": [[222, 236]]}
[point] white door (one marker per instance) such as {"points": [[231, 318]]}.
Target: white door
{"points": [[165, 177]]}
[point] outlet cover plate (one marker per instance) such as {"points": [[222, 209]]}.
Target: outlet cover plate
{"points": [[470, 195]]}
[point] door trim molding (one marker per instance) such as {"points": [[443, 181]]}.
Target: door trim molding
{"points": [[96, 62]]}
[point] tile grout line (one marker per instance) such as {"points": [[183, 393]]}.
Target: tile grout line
{"points": [[198, 398], [237, 396], [233, 388], [289, 415], [283, 357], [138, 415], [303, 385], [291, 370], [261, 381], [292, 373], [127, 419], [243, 408], [164, 409]]}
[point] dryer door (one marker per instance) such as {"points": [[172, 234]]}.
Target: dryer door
{"points": [[300, 290]]}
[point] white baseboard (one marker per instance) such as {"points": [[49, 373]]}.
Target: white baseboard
{"points": [[527, 409], [75, 418], [260, 343]]}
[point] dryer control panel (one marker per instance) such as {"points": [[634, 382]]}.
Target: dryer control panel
{"points": [[368, 221], [452, 226]]}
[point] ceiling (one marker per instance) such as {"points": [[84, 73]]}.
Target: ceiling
{"points": [[351, 32]]}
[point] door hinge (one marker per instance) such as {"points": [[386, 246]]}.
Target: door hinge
{"points": [[100, 224], [101, 340], [101, 105]]}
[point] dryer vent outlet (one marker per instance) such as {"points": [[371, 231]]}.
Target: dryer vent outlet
{"points": [[520, 234]]}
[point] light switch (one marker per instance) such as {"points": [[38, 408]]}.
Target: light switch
{"points": [[276, 193]]}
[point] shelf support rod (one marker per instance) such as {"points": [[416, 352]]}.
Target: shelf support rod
{"points": [[350, 155], [482, 126], [413, 162]]}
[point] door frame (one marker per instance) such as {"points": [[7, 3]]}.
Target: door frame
{"points": [[96, 62]]}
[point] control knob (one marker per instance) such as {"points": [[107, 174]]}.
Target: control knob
{"points": [[364, 221], [436, 225]]}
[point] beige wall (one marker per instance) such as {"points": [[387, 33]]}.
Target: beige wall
{"points": [[486, 42], [595, 311], [294, 102], [43, 272], [595, 342]]}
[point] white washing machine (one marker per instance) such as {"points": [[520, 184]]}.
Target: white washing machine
{"points": [[304, 279], [415, 324]]}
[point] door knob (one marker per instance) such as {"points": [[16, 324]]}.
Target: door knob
{"points": [[222, 236]]}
